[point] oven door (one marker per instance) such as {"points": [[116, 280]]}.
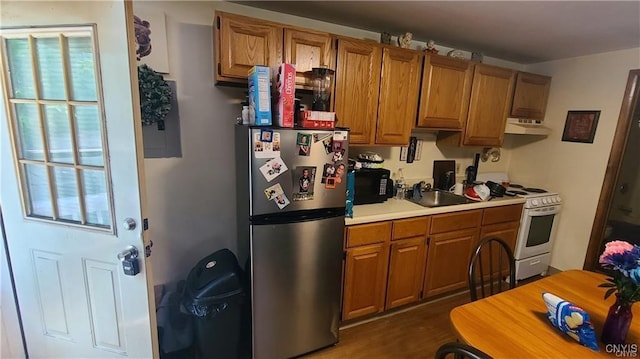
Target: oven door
{"points": [[537, 230]]}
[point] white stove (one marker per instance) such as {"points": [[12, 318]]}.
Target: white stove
{"points": [[538, 224]]}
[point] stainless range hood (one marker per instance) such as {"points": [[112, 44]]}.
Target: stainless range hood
{"points": [[519, 126]]}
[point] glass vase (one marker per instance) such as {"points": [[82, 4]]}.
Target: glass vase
{"points": [[617, 323]]}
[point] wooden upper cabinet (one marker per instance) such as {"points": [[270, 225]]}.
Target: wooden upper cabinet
{"points": [[489, 106], [530, 96], [357, 85], [243, 42], [308, 49], [398, 103], [446, 87]]}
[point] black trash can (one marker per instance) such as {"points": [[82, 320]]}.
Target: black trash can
{"points": [[213, 294]]}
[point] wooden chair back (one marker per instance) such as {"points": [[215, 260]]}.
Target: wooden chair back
{"points": [[460, 350], [492, 268]]}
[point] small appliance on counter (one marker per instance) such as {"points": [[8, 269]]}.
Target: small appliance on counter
{"points": [[370, 160], [472, 171], [444, 174], [372, 185], [322, 81]]}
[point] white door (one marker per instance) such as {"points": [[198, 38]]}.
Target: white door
{"points": [[69, 139]]}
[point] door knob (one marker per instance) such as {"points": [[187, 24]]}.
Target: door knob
{"points": [[129, 224]]}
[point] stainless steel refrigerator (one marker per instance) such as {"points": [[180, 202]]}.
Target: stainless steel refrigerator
{"points": [[291, 187]]}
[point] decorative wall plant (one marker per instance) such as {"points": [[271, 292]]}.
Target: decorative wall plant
{"points": [[155, 96]]}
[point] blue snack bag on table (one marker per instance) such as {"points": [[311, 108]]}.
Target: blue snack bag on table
{"points": [[571, 320]]}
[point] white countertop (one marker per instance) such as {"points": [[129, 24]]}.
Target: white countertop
{"points": [[400, 208]]}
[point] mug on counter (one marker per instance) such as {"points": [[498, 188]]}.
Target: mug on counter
{"points": [[457, 189]]}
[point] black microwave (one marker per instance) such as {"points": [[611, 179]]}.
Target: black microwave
{"points": [[372, 185]]}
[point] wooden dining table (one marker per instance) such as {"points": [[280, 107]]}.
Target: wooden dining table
{"points": [[514, 323]]}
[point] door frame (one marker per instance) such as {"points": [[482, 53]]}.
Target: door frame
{"points": [[12, 330], [629, 104]]}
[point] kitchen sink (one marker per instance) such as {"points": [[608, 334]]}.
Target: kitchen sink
{"points": [[437, 198]]}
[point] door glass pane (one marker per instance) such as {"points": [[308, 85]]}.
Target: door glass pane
{"points": [[50, 69], [66, 187], [54, 94], [58, 133], [94, 189], [29, 133], [83, 79], [38, 190], [19, 56], [89, 134]]}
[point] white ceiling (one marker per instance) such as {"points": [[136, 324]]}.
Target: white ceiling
{"points": [[520, 31]]}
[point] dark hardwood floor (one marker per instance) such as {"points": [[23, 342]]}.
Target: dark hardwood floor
{"points": [[415, 333]]}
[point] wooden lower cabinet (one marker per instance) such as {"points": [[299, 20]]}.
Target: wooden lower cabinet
{"points": [[448, 260], [508, 232], [365, 279], [394, 263], [406, 267], [501, 222]]}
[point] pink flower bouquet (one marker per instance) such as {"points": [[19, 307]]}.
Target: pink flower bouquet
{"points": [[623, 259]]}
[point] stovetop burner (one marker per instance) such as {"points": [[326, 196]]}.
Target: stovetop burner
{"points": [[515, 185], [535, 190], [518, 192]]}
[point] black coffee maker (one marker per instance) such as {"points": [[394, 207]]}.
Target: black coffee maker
{"points": [[472, 171], [447, 180]]}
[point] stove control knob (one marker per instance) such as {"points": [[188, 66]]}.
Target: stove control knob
{"points": [[558, 199], [534, 202], [544, 201], [552, 200]]}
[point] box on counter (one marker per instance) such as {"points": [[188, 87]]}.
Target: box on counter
{"points": [[259, 80], [318, 119], [286, 82]]}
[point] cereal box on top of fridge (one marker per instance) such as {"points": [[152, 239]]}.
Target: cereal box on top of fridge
{"points": [[259, 82], [286, 85]]}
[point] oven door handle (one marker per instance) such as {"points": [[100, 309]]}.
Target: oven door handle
{"points": [[538, 212]]}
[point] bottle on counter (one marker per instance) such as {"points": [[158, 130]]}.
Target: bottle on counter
{"points": [[245, 113], [400, 185]]}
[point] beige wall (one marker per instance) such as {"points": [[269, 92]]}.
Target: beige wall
{"points": [[192, 198], [575, 170], [422, 170]]}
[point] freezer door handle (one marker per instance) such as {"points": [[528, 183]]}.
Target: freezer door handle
{"points": [[296, 216]]}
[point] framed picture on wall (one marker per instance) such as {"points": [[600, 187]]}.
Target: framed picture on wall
{"points": [[580, 126]]}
